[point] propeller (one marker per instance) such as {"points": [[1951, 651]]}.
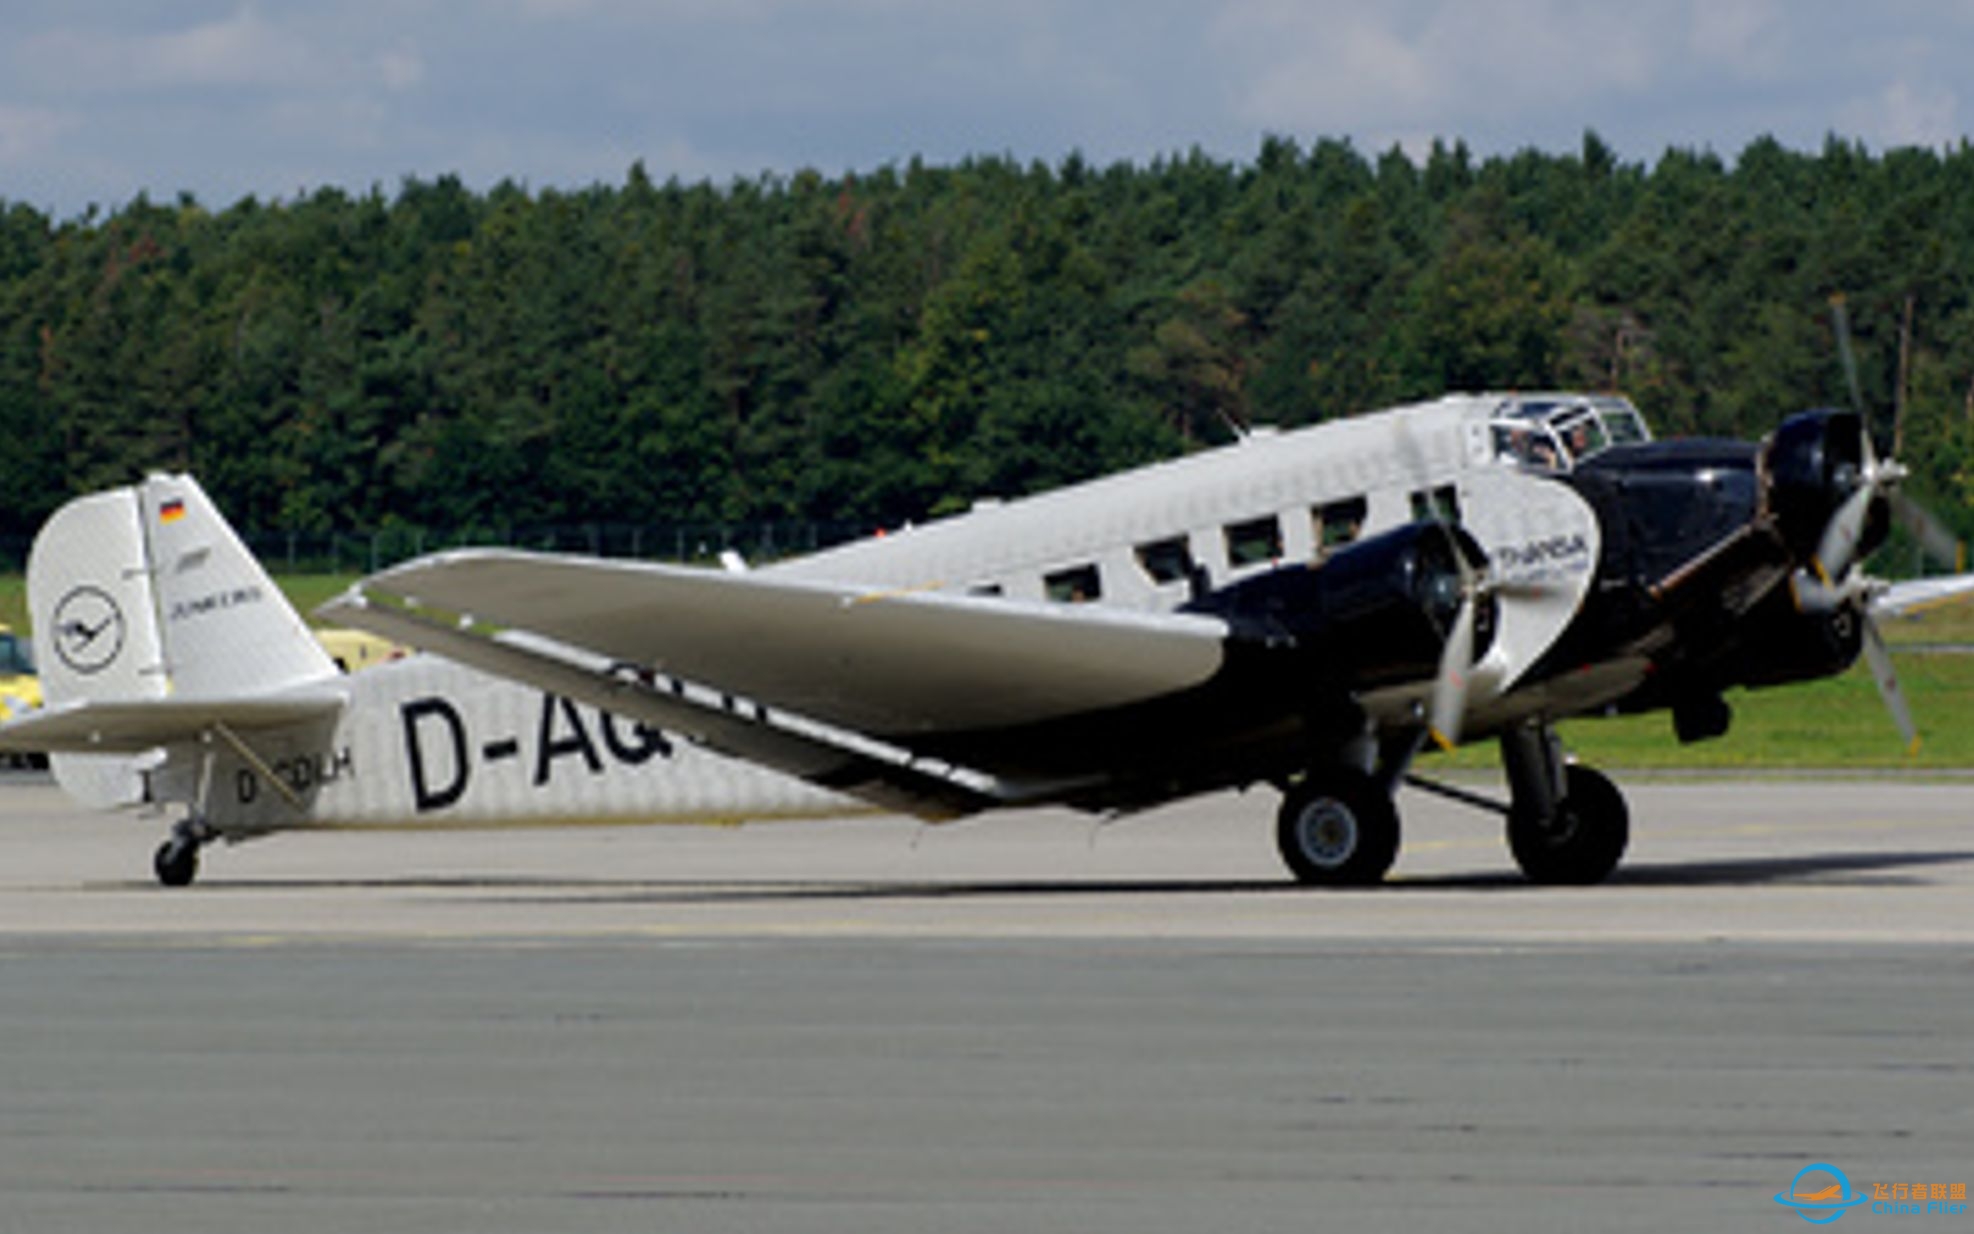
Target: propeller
{"points": [[1448, 710], [1880, 658], [1456, 663], [1838, 580], [1837, 550], [1934, 537]]}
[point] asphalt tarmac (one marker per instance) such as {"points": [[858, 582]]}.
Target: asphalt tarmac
{"points": [[1018, 1024]]}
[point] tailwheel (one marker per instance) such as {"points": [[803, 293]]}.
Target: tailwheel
{"points": [[1582, 839], [1337, 828], [176, 862]]}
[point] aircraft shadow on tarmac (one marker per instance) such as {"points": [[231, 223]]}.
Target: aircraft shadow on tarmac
{"points": [[1836, 869]]}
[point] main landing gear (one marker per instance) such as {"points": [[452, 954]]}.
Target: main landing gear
{"points": [[1566, 824], [1338, 827]]}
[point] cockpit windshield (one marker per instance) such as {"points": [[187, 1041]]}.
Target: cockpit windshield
{"points": [[1557, 432]]}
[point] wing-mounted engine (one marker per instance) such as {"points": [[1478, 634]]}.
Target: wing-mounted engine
{"points": [[1376, 614]]}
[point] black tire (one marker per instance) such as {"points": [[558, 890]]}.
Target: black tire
{"points": [[1584, 842], [176, 863], [1337, 829]]}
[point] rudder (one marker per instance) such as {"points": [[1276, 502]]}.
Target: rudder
{"points": [[225, 627]]}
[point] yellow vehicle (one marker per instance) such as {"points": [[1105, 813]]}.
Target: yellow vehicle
{"points": [[355, 649], [20, 688]]}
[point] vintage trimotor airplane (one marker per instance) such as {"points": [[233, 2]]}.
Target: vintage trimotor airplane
{"points": [[1306, 609]]}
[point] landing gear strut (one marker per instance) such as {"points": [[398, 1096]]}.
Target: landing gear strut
{"points": [[177, 859], [1337, 827], [1568, 824]]}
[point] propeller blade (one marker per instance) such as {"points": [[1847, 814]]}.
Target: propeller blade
{"points": [[1841, 318], [1456, 663], [1924, 526], [1880, 658], [1838, 548]]}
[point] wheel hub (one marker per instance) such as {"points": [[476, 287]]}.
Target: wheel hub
{"points": [[1328, 831]]}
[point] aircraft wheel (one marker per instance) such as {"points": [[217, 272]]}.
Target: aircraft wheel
{"points": [[176, 862], [1583, 843], [1337, 829]]}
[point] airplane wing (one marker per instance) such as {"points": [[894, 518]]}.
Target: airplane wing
{"points": [[841, 686], [892, 663], [135, 725]]}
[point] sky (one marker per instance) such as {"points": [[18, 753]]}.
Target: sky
{"points": [[103, 99]]}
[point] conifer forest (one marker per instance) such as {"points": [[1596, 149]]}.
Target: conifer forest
{"points": [[888, 345]]}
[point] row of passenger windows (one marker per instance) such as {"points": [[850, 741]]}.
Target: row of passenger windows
{"points": [[1248, 542]]}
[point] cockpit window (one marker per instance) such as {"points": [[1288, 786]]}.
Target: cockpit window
{"points": [[1583, 434], [1530, 445], [1621, 421], [1557, 433]]}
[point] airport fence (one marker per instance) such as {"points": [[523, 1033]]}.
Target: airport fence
{"points": [[363, 552]]}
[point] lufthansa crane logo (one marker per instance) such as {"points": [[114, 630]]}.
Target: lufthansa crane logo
{"points": [[88, 630]]}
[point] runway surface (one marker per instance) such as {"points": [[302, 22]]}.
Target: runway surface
{"points": [[1023, 1023]]}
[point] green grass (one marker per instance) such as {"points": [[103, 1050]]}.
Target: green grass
{"points": [[304, 591], [1835, 723], [1950, 623], [1838, 722]]}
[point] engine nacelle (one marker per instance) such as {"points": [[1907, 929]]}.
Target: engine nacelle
{"points": [[1786, 645], [1811, 465], [1374, 614]]}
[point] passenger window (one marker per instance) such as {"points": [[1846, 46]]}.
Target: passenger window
{"points": [[1440, 505], [1167, 561], [1076, 585], [1339, 522], [1256, 540]]}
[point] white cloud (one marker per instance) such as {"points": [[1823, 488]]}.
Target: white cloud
{"points": [[1323, 67], [1906, 114], [26, 133], [400, 68], [1740, 35], [240, 50], [99, 98]]}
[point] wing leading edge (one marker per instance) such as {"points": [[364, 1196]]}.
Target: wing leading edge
{"points": [[841, 686]]}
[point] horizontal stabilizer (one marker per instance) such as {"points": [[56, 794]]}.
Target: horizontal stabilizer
{"points": [[135, 725]]}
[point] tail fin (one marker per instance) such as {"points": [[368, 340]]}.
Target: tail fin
{"points": [[147, 593], [226, 628]]}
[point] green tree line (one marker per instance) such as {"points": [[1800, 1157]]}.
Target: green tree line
{"points": [[885, 346]]}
